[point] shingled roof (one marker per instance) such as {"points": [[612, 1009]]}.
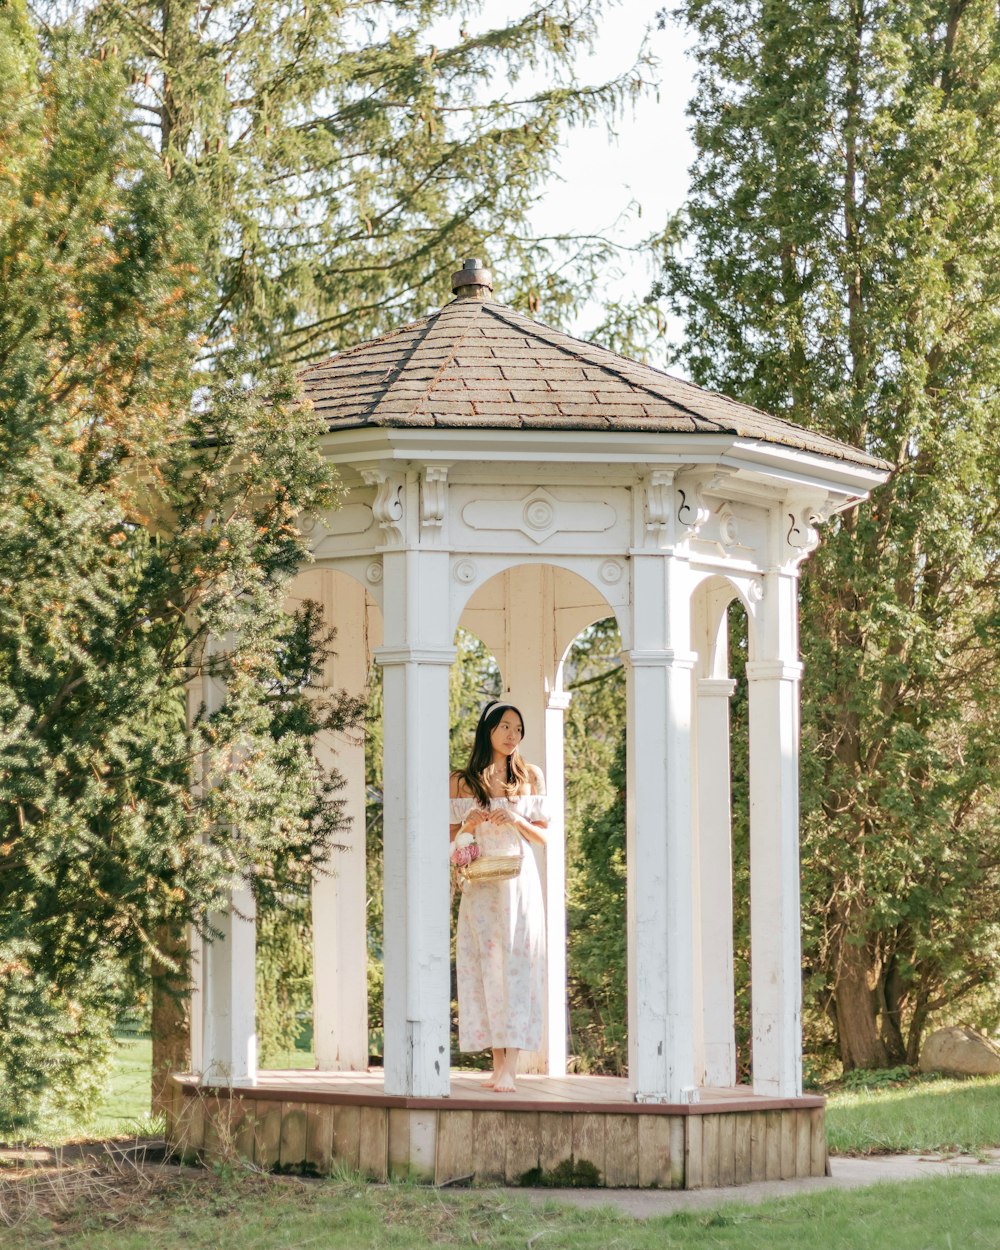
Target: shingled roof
{"points": [[476, 364]]}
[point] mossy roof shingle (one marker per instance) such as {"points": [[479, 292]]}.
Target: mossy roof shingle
{"points": [[478, 364]]}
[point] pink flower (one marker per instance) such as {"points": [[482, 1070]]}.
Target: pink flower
{"points": [[465, 853]]}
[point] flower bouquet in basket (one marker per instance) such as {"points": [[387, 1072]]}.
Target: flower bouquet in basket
{"points": [[471, 865]]}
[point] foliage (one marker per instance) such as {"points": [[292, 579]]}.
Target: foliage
{"points": [[347, 155], [595, 851], [838, 267], [146, 535], [284, 980]]}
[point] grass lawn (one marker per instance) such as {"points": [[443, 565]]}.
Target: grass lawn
{"points": [[233, 1209], [920, 1115], [266, 1213]]}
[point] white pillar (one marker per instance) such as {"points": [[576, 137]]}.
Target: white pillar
{"points": [[715, 878], [659, 832], [416, 658], [340, 938], [557, 1008], [533, 682], [229, 1043], [775, 960], [224, 1050]]}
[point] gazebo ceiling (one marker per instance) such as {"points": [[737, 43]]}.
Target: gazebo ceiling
{"points": [[476, 364]]}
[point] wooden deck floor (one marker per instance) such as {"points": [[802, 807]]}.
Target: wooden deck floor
{"points": [[605, 1094]]}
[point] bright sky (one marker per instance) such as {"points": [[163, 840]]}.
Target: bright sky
{"points": [[647, 162]]}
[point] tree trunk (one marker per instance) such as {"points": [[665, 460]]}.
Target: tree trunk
{"points": [[855, 999], [171, 1018]]}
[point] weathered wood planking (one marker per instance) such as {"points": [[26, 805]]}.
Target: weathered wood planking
{"points": [[621, 1151], [319, 1139], [454, 1147], [292, 1142], [373, 1143], [523, 1144], [555, 1134], [347, 1137], [654, 1148], [589, 1142], [489, 1146], [711, 1146]]}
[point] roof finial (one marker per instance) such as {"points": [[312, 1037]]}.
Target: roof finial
{"points": [[472, 281]]}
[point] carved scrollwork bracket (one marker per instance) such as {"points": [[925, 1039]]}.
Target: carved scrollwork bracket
{"points": [[693, 511], [659, 494], [433, 496], [802, 516], [388, 505]]}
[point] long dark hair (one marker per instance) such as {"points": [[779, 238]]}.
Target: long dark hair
{"points": [[481, 756]]}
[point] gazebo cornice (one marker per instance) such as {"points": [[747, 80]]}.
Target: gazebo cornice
{"points": [[757, 469]]}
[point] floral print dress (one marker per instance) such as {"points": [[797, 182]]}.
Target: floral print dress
{"points": [[500, 945]]}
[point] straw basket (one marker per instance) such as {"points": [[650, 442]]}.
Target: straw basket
{"points": [[494, 867]]}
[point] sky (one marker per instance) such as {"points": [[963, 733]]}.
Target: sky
{"points": [[648, 160]]}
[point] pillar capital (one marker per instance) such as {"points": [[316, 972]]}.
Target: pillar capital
{"points": [[387, 656], [716, 687], [774, 670], [667, 657]]}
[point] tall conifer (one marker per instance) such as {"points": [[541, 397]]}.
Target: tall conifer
{"points": [[841, 268]]}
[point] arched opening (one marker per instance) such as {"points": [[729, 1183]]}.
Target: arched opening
{"points": [[526, 618], [312, 980], [596, 878], [722, 632]]}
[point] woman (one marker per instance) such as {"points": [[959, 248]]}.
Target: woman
{"points": [[500, 948]]}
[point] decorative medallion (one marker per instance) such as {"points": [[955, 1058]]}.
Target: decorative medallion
{"points": [[374, 572], [611, 571], [729, 528], [755, 590], [466, 571]]}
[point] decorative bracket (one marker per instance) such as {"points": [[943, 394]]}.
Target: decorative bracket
{"points": [[802, 516], [388, 505], [658, 496], [693, 511], [433, 495]]}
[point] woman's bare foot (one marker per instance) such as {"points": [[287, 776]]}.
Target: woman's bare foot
{"points": [[498, 1061], [504, 1083]]}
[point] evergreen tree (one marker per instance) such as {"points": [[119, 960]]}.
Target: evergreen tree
{"points": [[146, 535], [348, 154], [840, 267]]}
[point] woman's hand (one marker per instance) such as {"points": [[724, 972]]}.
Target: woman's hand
{"points": [[475, 817]]}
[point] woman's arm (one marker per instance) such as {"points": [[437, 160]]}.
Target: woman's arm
{"points": [[474, 815]]}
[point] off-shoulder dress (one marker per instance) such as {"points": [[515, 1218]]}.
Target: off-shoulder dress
{"points": [[500, 944]]}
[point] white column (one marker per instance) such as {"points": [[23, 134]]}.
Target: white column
{"points": [[557, 1009], [229, 1045], [715, 877], [225, 966], [776, 964], [416, 658], [533, 683], [340, 940], [659, 832]]}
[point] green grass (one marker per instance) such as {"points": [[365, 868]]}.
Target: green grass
{"points": [[261, 1213], [920, 1115]]}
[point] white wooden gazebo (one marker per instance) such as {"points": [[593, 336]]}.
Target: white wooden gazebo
{"points": [[505, 477]]}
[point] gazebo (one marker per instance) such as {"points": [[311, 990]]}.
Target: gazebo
{"points": [[505, 477]]}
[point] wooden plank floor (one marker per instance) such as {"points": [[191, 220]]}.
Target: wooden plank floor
{"points": [[534, 1093]]}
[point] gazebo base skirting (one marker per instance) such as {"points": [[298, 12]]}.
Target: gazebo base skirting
{"points": [[566, 1130]]}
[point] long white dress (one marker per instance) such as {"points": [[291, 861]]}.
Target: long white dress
{"points": [[500, 944]]}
